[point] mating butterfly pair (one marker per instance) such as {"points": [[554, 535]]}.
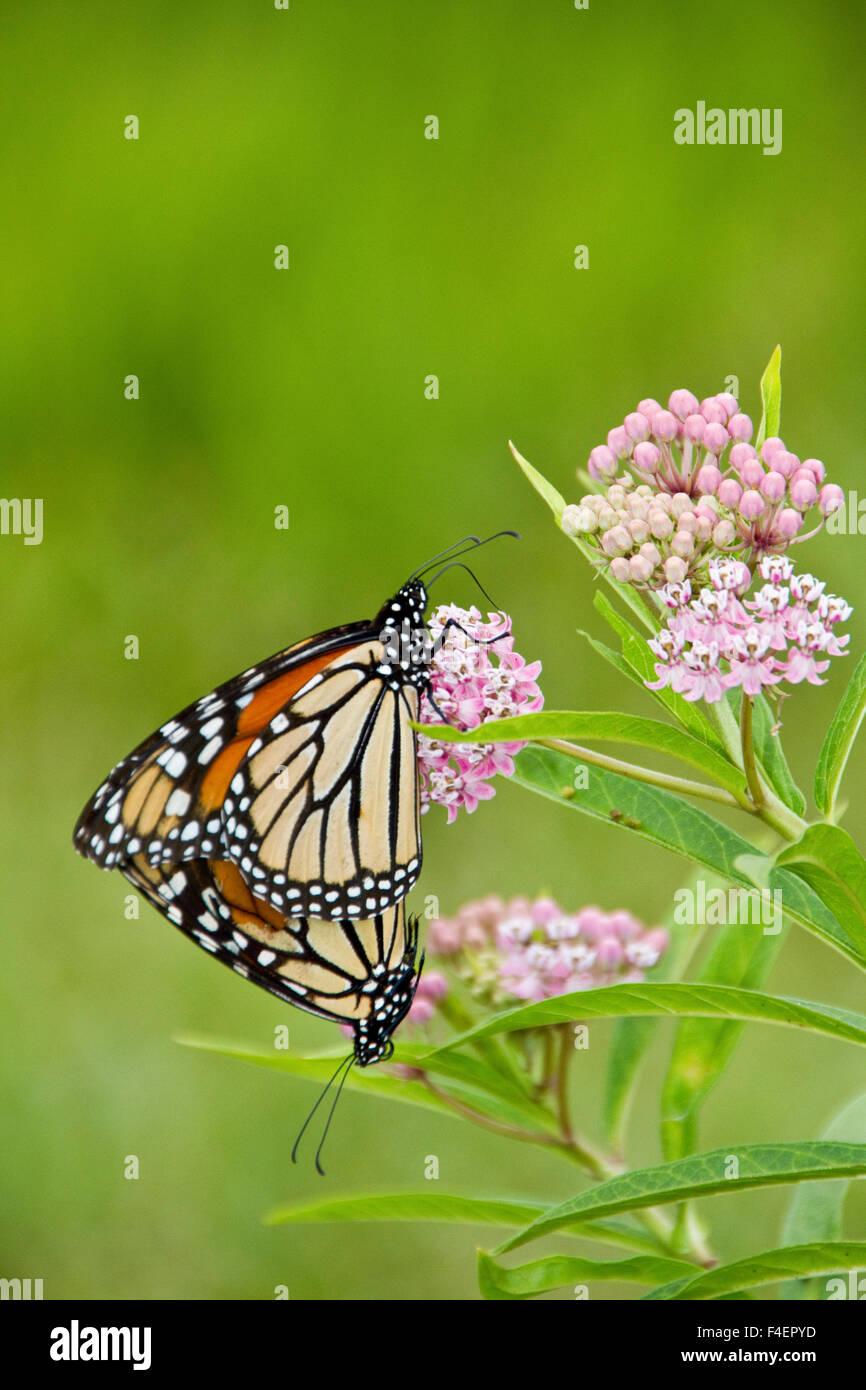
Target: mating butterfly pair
{"points": [[276, 822]]}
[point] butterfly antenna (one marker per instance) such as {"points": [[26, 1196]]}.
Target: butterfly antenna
{"points": [[470, 543], [327, 1088], [456, 564], [319, 1167]]}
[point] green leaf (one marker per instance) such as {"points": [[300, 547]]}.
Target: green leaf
{"points": [[766, 1268], [827, 859], [661, 1000], [495, 1281], [839, 741], [815, 1213], [656, 815], [554, 499], [701, 1175], [802, 904], [600, 726], [463, 1082], [771, 756], [742, 956], [771, 399], [454, 1210]]}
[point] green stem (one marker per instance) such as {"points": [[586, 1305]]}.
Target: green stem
{"points": [[642, 774], [750, 766], [565, 1051]]}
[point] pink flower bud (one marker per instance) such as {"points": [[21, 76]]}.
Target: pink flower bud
{"points": [[715, 438], [729, 492], [638, 530], [785, 463], [788, 522], [739, 453], [730, 403], [689, 521], [683, 403], [624, 926], [619, 570], [694, 428], [751, 473], [817, 469], [545, 910], [675, 569], [616, 541], [639, 569], [610, 953], [740, 427], [724, 534], [705, 527], [648, 407], [708, 478], [804, 493], [651, 552], [772, 486], [831, 498], [619, 443], [637, 426], [664, 426], [751, 504], [658, 939], [683, 544], [646, 457], [602, 462], [680, 502], [713, 411], [770, 448], [660, 523], [592, 923]]}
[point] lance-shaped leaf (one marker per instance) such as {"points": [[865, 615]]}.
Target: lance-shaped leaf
{"points": [[827, 859], [496, 1281], [769, 1267], [722, 1171], [657, 999], [815, 1212], [839, 741], [771, 399]]}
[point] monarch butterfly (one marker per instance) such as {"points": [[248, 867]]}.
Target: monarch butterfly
{"points": [[302, 771], [360, 973]]}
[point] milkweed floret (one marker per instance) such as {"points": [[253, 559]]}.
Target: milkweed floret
{"points": [[785, 632], [476, 676]]}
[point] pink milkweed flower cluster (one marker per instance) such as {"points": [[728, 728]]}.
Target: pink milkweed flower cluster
{"points": [[476, 675], [786, 631], [523, 950], [698, 456]]}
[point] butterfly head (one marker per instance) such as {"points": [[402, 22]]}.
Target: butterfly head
{"points": [[402, 630]]}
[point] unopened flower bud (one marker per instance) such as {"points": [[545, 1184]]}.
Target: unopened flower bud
{"points": [[688, 522], [638, 530], [713, 411], [804, 493], [680, 502], [616, 541], [708, 478], [751, 504], [683, 544], [772, 486], [770, 448], [788, 522], [602, 462], [716, 438], [660, 523], [619, 570], [637, 426], [607, 517], [740, 427], [831, 498], [619, 443], [817, 469], [610, 953], [682, 403], [694, 428], [648, 407], [639, 569], [651, 552], [646, 457], [729, 492], [785, 463], [577, 521], [751, 473], [724, 533], [664, 426], [675, 569]]}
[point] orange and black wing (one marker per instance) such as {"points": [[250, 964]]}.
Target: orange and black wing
{"points": [[322, 815], [164, 800], [361, 973]]}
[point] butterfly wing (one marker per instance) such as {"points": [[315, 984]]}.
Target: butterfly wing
{"points": [[359, 973], [323, 813], [164, 799]]}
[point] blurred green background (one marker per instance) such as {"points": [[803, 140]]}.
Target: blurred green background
{"points": [[306, 388]]}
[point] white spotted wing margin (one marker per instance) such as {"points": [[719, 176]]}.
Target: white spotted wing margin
{"points": [[360, 973]]}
